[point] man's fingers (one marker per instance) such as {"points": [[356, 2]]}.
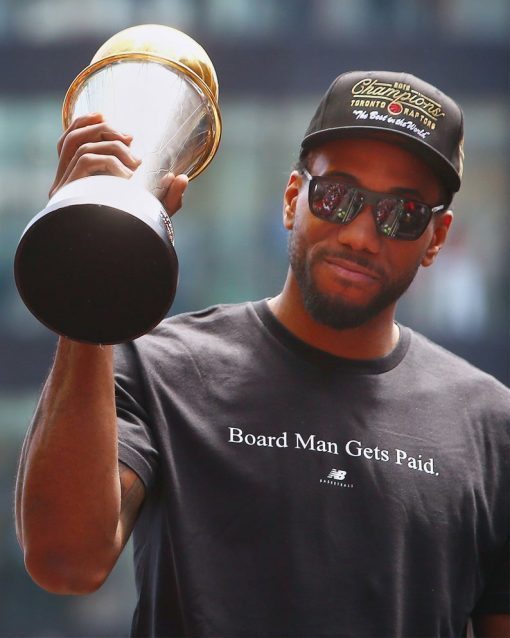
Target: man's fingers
{"points": [[79, 122], [90, 146], [114, 148], [93, 164], [100, 132], [176, 186], [89, 132]]}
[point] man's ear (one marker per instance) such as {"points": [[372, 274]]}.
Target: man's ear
{"points": [[290, 199], [442, 225]]}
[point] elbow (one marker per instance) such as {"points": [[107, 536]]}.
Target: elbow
{"points": [[59, 573]]}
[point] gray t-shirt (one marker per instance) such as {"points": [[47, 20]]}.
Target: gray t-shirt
{"points": [[294, 493]]}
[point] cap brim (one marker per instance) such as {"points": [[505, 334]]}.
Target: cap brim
{"points": [[441, 166]]}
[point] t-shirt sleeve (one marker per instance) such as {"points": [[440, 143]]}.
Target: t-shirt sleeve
{"points": [[495, 598], [137, 447]]}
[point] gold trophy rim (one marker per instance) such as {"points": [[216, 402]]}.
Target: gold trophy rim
{"points": [[148, 57]]}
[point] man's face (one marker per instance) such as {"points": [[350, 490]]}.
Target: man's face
{"points": [[348, 274]]}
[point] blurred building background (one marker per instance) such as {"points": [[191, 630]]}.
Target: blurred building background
{"points": [[274, 58]]}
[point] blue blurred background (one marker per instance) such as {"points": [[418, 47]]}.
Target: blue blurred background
{"points": [[274, 58]]}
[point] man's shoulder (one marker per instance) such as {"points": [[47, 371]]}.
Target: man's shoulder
{"points": [[206, 328], [450, 369], [213, 335], [212, 318]]}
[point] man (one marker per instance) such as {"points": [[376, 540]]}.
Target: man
{"points": [[302, 466]]}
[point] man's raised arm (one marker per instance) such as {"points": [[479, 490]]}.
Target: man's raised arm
{"points": [[68, 495], [75, 505]]}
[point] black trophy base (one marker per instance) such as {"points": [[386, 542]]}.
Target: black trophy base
{"points": [[95, 273]]}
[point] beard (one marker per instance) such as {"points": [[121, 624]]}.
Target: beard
{"points": [[333, 310]]}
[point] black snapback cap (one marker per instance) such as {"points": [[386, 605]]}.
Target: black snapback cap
{"points": [[365, 102]]}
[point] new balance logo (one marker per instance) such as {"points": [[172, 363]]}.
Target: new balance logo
{"points": [[338, 475], [335, 477]]}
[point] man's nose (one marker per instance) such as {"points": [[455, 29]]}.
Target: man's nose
{"points": [[361, 233]]}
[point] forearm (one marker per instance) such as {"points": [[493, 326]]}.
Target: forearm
{"points": [[68, 495]]}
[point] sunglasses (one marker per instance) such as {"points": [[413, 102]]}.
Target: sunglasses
{"points": [[334, 200]]}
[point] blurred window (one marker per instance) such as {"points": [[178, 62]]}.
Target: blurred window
{"points": [[52, 20]]}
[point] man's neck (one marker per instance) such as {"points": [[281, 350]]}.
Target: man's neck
{"points": [[375, 338]]}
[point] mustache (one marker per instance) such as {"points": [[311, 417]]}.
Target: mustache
{"points": [[353, 257]]}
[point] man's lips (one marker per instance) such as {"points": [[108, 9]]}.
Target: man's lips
{"points": [[351, 270]]}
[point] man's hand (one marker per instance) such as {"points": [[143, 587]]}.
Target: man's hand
{"points": [[175, 187], [90, 146]]}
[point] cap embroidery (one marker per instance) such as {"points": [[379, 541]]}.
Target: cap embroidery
{"points": [[399, 98]]}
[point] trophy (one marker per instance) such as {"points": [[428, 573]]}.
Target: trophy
{"points": [[98, 264]]}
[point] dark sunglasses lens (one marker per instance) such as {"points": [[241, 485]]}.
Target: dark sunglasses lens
{"points": [[401, 219], [332, 201]]}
